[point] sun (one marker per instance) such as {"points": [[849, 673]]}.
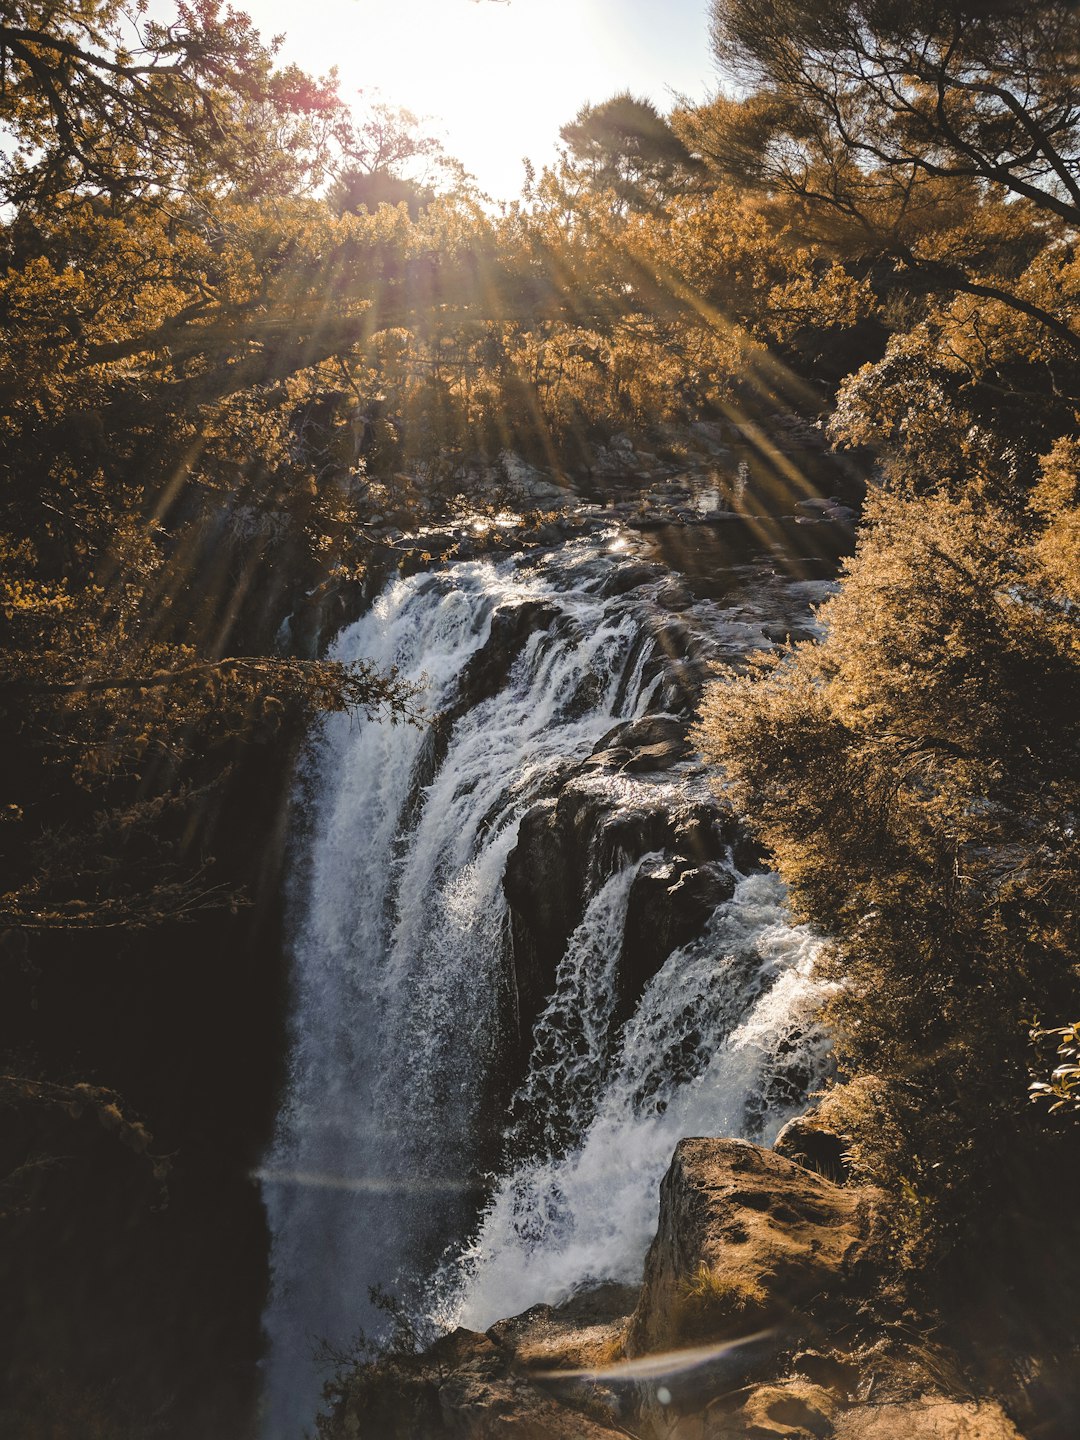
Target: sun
{"points": [[494, 80], [501, 78]]}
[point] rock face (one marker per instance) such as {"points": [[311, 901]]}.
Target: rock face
{"points": [[794, 1410], [809, 1142], [569, 843], [586, 1330], [469, 1386], [752, 1324], [747, 1241], [930, 1417]]}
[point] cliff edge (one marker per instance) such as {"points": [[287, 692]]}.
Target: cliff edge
{"points": [[759, 1317]]}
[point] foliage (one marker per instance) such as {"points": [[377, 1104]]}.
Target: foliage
{"points": [[915, 770], [105, 99], [907, 130], [627, 148], [846, 94], [244, 332], [914, 773], [1062, 1090]]}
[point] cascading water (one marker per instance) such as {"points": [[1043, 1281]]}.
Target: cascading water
{"points": [[404, 994], [718, 1045]]}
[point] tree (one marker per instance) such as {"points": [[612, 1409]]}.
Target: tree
{"points": [[625, 146], [899, 120], [101, 99], [915, 775], [953, 90]]}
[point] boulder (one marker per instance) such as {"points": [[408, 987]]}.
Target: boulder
{"points": [[585, 1331], [624, 578], [531, 484], [655, 742], [791, 1410], [465, 1387], [929, 1417], [671, 901], [747, 1241]]}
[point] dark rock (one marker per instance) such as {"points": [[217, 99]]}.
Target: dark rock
{"points": [[650, 520], [811, 1144], [630, 577], [322, 613], [483, 676], [670, 902], [544, 889], [464, 1387], [831, 1372], [655, 742], [674, 595], [488, 669], [569, 844]]}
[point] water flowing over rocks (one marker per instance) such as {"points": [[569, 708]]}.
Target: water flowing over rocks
{"points": [[531, 948], [757, 1267]]}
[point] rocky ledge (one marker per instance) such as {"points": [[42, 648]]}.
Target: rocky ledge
{"points": [[758, 1319]]}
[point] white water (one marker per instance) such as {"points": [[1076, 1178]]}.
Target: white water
{"points": [[700, 1056], [401, 986], [400, 949]]}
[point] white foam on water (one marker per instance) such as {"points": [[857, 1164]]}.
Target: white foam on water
{"points": [[401, 965], [721, 1022]]}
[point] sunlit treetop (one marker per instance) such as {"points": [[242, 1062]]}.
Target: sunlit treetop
{"points": [[97, 97], [980, 89]]}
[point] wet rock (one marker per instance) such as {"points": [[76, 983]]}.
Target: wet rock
{"points": [[674, 595], [484, 675], [670, 902], [466, 1386], [748, 1241], [487, 671], [586, 1330], [655, 742], [624, 578], [822, 509], [543, 885], [321, 613], [569, 843], [710, 429]]}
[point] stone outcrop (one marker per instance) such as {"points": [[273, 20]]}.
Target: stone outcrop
{"points": [[808, 1141], [930, 1417], [585, 1331], [755, 1322], [747, 1241], [569, 843], [494, 1386]]}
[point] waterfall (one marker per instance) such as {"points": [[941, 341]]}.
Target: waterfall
{"points": [[400, 1158], [723, 1042]]}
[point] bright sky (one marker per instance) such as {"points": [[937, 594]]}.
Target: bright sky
{"points": [[498, 79]]}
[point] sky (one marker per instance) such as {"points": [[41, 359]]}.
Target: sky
{"points": [[497, 79]]}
